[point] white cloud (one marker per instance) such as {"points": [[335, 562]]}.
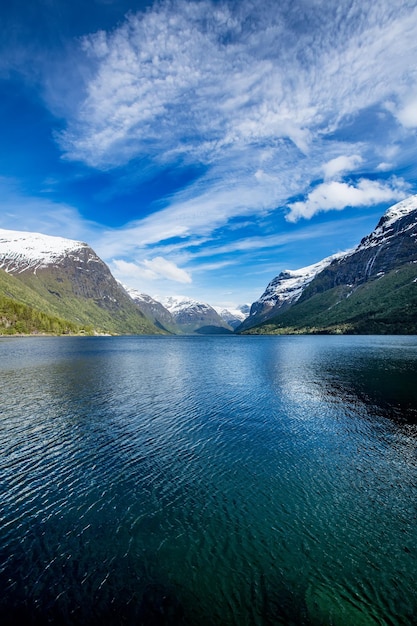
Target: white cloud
{"points": [[335, 195], [407, 114], [341, 165], [162, 268], [127, 270], [243, 88], [254, 90], [149, 269], [384, 167]]}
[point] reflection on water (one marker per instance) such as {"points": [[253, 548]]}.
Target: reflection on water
{"points": [[208, 480]]}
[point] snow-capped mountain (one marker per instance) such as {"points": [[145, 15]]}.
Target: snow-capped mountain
{"points": [[72, 279], [364, 290], [23, 251], [283, 291], [398, 218], [181, 314], [193, 316], [391, 244], [371, 288], [233, 317]]}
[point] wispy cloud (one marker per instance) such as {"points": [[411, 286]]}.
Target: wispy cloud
{"points": [[195, 213], [269, 101], [202, 77], [245, 88], [39, 214]]}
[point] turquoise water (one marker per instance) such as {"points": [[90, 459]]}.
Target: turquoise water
{"points": [[208, 480]]}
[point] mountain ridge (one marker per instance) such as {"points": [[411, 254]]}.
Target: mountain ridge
{"points": [[347, 295]]}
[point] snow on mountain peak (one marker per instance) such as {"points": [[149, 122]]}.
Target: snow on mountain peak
{"points": [[289, 284], [20, 250], [400, 209], [232, 313], [175, 304], [137, 295], [389, 225]]}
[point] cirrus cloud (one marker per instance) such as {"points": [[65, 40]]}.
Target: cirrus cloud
{"points": [[199, 78], [252, 93]]}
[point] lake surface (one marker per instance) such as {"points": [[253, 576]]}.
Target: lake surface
{"points": [[208, 481]]}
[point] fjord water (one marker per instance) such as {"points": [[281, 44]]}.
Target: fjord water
{"points": [[208, 480]]}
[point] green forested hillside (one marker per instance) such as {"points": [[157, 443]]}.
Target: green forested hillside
{"points": [[46, 303], [386, 305], [57, 291], [22, 311]]}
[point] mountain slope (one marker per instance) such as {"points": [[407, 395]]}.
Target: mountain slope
{"points": [[387, 305], [372, 289], [73, 280], [391, 244]]}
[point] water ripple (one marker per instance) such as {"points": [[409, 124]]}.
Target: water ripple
{"points": [[233, 481]]}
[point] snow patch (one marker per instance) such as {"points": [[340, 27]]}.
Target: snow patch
{"points": [[289, 284], [401, 209], [138, 296]]}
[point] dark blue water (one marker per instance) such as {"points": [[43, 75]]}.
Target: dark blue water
{"points": [[208, 481]]}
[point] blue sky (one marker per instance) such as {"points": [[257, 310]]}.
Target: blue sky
{"points": [[201, 147]]}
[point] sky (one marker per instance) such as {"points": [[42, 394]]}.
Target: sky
{"points": [[203, 146]]}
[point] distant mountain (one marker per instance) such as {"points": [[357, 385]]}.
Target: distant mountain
{"points": [[183, 315], [283, 291], [71, 281], [371, 289], [192, 316], [154, 311], [234, 317]]}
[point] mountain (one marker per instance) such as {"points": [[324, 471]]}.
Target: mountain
{"points": [[283, 291], [371, 289], [391, 244], [233, 317], [195, 317], [154, 311], [69, 281], [187, 315]]}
